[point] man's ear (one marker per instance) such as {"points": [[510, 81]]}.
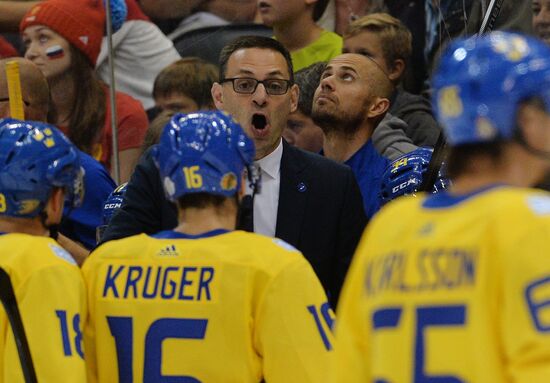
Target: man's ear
{"points": [[217, 95], [378, 107], [396, 70], [294, 97]]}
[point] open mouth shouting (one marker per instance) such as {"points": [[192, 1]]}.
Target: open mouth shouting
{"points": [[260, 125]]}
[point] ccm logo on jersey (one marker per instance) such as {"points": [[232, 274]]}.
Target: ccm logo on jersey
{"points": [[403, 185], [113, 205]]}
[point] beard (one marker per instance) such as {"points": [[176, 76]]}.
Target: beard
{"points": [[337, 122]]}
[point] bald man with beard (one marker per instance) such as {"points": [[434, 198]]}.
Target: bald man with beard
{"points": [[351, 100], [77, 230]]}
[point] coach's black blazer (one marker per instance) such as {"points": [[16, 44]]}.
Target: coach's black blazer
{"points": [[320, 211]]}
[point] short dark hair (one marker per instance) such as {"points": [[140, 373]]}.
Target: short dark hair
{"points": [[202, 200], [460, 158], [190, 76], [319, 9], [308, 80], [247, 42]]}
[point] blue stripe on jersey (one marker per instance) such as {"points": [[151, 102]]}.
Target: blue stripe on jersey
{"points": [[171, 234], [443, 199]]}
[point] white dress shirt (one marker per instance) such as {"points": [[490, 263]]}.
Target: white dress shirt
{"points": [[266, 202]]}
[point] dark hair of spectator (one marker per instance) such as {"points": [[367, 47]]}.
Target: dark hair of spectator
{"points": [[87, 116], [202, 200], [191, 76], [308, 80], [247, 42], [319, 9]]}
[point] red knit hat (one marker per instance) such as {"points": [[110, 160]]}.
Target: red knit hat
{"points": [[81, 22]]}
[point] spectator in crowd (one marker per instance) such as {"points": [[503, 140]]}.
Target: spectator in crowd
{"points": [[352, 98], [541, 19], [63, 38], [184, 86], [279, 326], [388, 42], [78, 224], [412, 15], [347, 11], [40, 171], [449, 19], [388, 138], [211, 13], [460, 278], [300, 129], [307, 200], [293, 24], [141, 51]]}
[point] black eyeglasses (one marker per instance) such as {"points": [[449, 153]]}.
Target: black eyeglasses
{"points": [[246, 85]]}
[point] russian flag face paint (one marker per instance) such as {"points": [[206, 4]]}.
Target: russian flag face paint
{"points": [[55, 52]]}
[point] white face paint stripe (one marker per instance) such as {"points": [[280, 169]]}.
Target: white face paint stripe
{"points": [[54, 52]]}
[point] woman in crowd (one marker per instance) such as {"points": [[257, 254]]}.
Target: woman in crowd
{"points": [[63, 39]]}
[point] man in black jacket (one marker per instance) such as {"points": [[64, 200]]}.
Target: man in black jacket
{"points": [[307, 200]]}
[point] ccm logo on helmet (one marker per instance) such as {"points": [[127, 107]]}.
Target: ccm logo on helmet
{"points": [[112, 206], [403, 185]]}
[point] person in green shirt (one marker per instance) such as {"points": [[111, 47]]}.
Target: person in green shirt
{"points": [[294, 25]]}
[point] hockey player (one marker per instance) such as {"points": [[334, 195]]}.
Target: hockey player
{"points": [[39, 169], [205, 303], [453, 286]]}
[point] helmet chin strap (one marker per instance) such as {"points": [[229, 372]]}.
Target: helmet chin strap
{"points": [[53, 229]]}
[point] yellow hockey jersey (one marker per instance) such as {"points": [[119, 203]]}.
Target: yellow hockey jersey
{"points": [[450, 289], [51, 298], [221, 307]]}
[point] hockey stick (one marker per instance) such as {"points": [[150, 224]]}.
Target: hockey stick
{"points": [[490, 16], [7, 296], [493, 10], [112, 90]]}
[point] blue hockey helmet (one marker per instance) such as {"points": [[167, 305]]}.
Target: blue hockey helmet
{"points": [[406, 173], [35, 157], [203, 152], [480, 81], [110, 206]]}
